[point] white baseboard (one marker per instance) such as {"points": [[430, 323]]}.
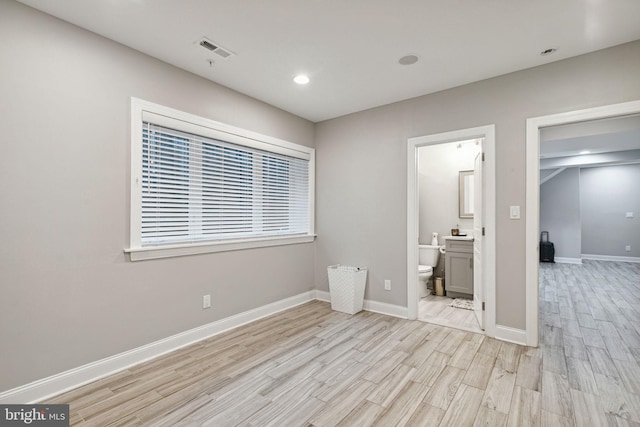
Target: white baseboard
{"points": [[516, 336], [563, 260], [322, 296], [611, 258], [388, 309], [42, 389], [374, 306]]}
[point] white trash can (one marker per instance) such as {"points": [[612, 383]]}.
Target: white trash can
{"points": [[346, 288]]}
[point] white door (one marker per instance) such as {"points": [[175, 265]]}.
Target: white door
{"points": [[478, 239]]}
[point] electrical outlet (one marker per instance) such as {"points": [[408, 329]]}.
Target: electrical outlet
{"points": [[627, 248], [206, 301], [629, 215], [387, 285]]}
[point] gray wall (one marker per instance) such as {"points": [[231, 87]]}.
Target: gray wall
{"points": [[607, 194], [560, 212], [438, 170], [68, 296], [362, 166]]}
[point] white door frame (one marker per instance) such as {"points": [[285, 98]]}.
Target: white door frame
{"points": [[532, 236], [489, 202]]}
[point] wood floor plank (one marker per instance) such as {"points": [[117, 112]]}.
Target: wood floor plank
{"points": [[464, 354], [445, 387], [299, 415], [549, 419], [404, 406], [380, 370], [592, 338], [588, 410], [428, 374], [553, 360], [363, 415], [488, 417], [285, 402], [464, 407], [629, 374], [490, 347], [601, 362], [526, 408], [386, 391], [421, 353], [581, 376], [574, 348], [342, 404], [177, 405], [556, 396], [571, 327], [482, 366], [529, 371], [499, 390], [425, 416], [616, 400]]}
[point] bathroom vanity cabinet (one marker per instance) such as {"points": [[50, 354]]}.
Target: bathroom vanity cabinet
{"points": [[458, 268]]}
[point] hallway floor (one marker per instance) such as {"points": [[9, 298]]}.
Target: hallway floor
{"points": [[590, 342]]}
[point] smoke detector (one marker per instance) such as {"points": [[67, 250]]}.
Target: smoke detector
{"points": [[207, 44]]}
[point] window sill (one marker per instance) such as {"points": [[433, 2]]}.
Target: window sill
{"points": [[169, 251]]}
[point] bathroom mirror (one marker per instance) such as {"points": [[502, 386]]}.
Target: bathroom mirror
{"points": [[465, 194]]}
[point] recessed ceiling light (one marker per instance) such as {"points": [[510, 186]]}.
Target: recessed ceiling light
{"points": [[301, 79], [585, 152], [408, 60], [549, 51]]}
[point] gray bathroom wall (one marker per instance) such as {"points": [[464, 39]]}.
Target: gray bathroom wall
{"points": [[607, 194], [439, 166], [68, 294], [560, 213], [362, 166]]}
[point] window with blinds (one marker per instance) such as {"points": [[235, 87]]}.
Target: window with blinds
{"points": [[199, 183]]}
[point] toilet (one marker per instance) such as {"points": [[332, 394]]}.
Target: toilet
{"points": [[427, 260]]}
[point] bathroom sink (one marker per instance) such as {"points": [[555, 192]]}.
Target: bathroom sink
{"points": [[468, 238]]}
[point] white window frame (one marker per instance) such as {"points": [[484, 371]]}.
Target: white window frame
{"points": [[165, 116]]}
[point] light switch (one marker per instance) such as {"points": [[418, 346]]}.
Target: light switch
{"points": [[629, 214], [514, 212]]}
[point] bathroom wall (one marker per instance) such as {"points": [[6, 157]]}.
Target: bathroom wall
{"points": [[607, 194], [438, 188], [560, 212]]}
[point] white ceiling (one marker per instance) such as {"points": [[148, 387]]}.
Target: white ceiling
{"points": [[592, 143], [350, 48], [596, 136]]}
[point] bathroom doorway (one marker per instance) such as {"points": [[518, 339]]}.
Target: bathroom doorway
{"points": [[440, 171]]}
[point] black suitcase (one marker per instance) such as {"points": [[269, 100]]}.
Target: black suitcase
{"points": [[547, 250]]}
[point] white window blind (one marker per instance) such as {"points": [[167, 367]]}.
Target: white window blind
{"points": [[197, 188]]}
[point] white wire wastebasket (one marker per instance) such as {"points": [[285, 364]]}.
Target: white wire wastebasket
{"points": [[346, 288]]}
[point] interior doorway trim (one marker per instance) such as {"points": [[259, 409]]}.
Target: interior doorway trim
{"points": [[489, 202], [534, 125]]}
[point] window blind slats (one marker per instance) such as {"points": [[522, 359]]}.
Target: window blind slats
{"points": [[196, 188]]}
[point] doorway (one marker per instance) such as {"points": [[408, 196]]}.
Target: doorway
{"points": [[534, 125], [486, 267]]}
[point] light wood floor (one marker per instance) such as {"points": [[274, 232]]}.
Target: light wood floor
{"points": [[311, 366], [435, 309]]}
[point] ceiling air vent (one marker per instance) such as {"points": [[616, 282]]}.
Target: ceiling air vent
{"points": [[215, 48]]}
